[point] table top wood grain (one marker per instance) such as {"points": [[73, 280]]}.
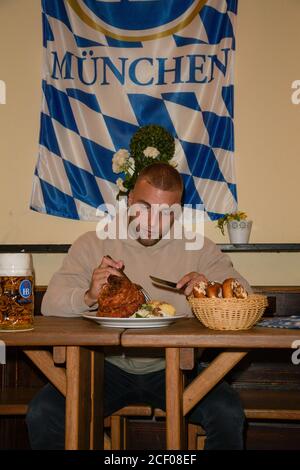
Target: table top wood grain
{"points": [[190, 333], [58, 331], [185, 333]]}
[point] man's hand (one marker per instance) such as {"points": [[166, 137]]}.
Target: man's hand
{"points": [[189, 280], [100, 275]]}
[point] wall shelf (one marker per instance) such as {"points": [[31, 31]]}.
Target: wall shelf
{"points": [[261, 248], [227, 248]]}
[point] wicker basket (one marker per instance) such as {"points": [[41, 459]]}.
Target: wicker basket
{"points": [[229, 314]]}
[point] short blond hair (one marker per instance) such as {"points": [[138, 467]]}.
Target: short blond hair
{"points": [[162, 176]]}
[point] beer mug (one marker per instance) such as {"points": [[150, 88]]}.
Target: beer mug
{"points": [[16, 292]]}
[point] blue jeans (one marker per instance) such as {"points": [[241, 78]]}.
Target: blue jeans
{"points": [[220, 412]]}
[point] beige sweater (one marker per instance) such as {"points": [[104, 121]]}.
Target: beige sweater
{"points": [[167, 259]]}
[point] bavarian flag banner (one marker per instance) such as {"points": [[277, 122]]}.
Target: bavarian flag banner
{"points": [[112, 66]]}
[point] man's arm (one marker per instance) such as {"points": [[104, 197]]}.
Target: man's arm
{"points": [[213, 266], [76, 286], [65, 293], [217, 266]]}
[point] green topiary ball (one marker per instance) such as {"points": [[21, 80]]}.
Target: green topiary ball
{"points": [[151, 136]]}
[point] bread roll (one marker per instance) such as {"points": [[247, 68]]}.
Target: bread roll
{"points": [[227, 290], [233, 288], [238, 290], [199, 290], [214, 289]]}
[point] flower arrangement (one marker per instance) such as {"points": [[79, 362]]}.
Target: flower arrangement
{"points": [[228, 217], [150, 144]]}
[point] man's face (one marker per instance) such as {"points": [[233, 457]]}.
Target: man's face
{"points": [[150, 211]]}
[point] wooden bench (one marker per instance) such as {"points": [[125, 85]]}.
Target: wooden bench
{"points": [[279, 405], [14, 401]]}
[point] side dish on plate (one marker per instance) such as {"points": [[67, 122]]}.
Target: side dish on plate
{"points": [[154, 309]]}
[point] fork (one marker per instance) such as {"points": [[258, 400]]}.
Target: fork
{"points": [[146, 294]]}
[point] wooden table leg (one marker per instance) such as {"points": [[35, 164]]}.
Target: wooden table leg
{"points": [[187, 358], [82, 385], [97, 398], [44, 361], [59, 354], [207, 379], [174, 389], [78, 398], [180, 402]]}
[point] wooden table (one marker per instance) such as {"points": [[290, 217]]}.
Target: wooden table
{"points": [[180, 340], [73, 341], [76, 343]]}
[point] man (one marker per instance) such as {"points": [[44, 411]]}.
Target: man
{"points": [[76, 287]]}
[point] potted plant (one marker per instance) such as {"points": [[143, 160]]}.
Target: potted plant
{"points": [[238, 226]]}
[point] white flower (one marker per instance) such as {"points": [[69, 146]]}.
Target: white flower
{"points": [[151, 152], [131, 166], [119, 160], [173, 163], [120, 185]]}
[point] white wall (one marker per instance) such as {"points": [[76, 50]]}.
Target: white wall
{"points": [[266, 126]]}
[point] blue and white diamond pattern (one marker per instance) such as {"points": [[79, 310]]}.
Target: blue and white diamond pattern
{"points": [[82, 126]]}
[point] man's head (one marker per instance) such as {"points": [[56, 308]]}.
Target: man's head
{"points": [[158, 184]]}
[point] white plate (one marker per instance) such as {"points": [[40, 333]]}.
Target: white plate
{"points": [[132, 322], [16, 330]]}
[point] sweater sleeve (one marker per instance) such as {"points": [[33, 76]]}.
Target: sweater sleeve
{"points": [[65, 293], [217, 266]]}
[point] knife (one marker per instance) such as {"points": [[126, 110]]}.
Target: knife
{"points": [[164, 282]]}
